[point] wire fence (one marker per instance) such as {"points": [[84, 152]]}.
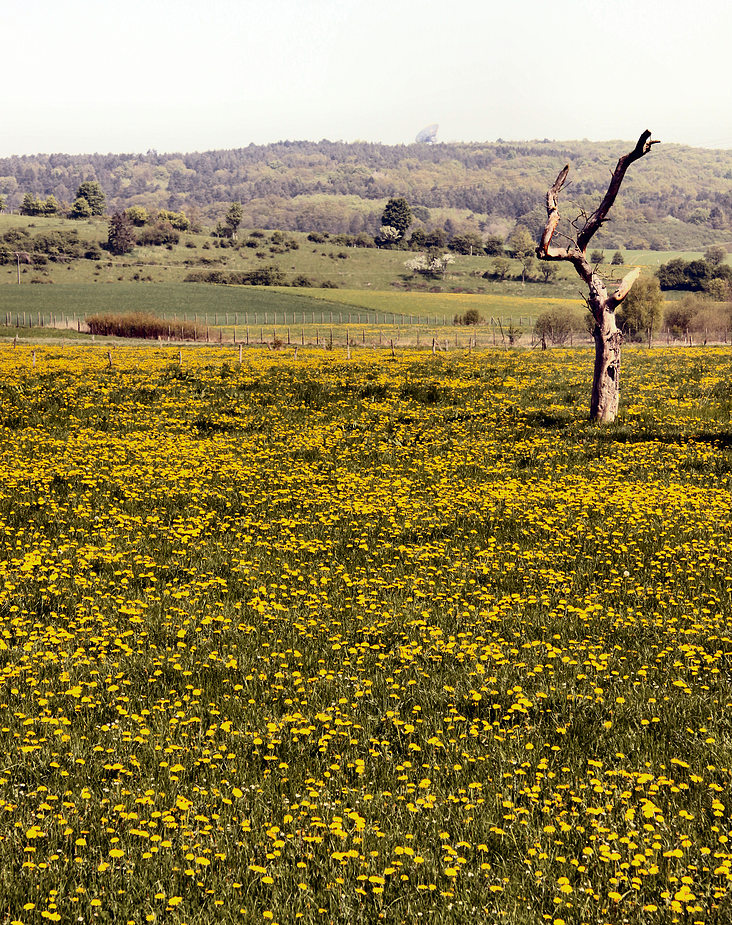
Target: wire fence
{"points": [[339, 328]]}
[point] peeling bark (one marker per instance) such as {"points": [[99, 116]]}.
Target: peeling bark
{"points": [[606, 380], [608, 338]]}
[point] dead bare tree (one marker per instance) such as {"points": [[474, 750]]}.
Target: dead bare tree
{"points": [[608, 338]]}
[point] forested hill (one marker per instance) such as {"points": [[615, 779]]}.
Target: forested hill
{"points": [[677, 197]]}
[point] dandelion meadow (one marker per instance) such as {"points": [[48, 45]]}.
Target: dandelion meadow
{"points": [[327, 640]]}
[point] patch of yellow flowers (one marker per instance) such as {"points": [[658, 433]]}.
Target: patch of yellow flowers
{"points": [[326, 639]]}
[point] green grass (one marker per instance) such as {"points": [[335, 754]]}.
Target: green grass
{"points": [[93, 229], [349, 268], [183, 300], [447, 305], [264, 305], [654, 259]]}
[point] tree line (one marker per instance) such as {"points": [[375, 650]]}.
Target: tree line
{"points": [[342, 188]]}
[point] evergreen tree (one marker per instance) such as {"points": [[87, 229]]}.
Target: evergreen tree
{"points": [[397, 214], [121, 235]]}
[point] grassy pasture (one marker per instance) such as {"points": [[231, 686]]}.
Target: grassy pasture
{"points": [[266, 304], [173, 300], [331, 640], [447, 305], [349, 268]]}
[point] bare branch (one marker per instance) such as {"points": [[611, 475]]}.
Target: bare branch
{"points": [[623, 289], [552, 211], [551, 227], [555, 190], [643, 146]]}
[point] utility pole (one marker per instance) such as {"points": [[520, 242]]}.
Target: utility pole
{"points": [[25, 257]]}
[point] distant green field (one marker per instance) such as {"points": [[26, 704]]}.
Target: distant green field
{"points": [[241, 305], [179, 300], [654, 259], [444, 305]]}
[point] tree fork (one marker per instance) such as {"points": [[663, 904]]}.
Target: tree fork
{"points": [[607, 336]]}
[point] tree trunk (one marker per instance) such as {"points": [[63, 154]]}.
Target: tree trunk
{"points": [[606, 378]]}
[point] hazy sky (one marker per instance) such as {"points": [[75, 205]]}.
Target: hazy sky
{"points": [[83, 76]]}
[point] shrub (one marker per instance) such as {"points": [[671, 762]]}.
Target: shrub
{"points": [[467, 243], [501, 269], [219, 277], [679, 317], [494, 245], [471, 316], [554, 326], [138, 215], [699, 315], [159, 234], [264, 276], [432, 265], [693, 275], [364, 240], [715, 254], [80, 209], [712, 318], [178, 220]]}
